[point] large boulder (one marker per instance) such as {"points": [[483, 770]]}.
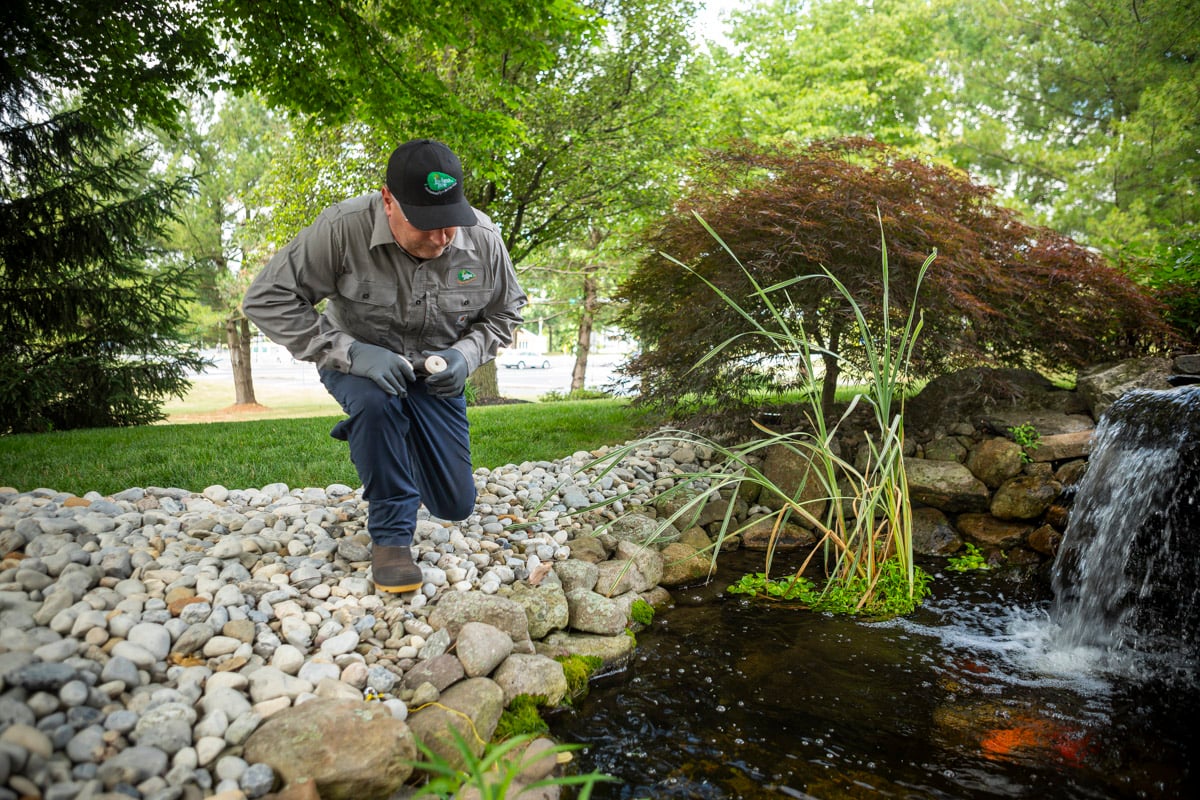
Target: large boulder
{"points": [[945, 485], [794, 474], [1025, 497], [533, 675], [974, 395], [1101, 385], [545, 604], [350, 750], [994, 461], [683, 564], [932, 533], [458, 608]]}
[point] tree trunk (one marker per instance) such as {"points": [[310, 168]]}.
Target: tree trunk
{"points": [[484, 382], [583, 342], [237, 335], [833, 369], [830, 382]]}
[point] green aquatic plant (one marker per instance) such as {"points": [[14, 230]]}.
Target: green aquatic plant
{"points": [[757, 584], [860, 511], [1028, 437], [970, 559], [890, 597]]}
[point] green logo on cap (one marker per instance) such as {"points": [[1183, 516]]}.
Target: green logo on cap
{"points": [[440, 182]]}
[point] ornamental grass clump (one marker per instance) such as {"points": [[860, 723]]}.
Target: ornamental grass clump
{"points": [[861, 513], [497, 772]]}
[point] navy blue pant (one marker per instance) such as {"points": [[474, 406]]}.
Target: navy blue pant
{"points": [[407, 450]]}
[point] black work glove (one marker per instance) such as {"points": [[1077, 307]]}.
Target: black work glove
{"points": [[450, 381], [390, 370]]}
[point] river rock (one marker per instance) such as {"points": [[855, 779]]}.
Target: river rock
{"points": [[470, 709], [533, 675], [347, 749], [481, 648], [945, 485], [457, 609]]}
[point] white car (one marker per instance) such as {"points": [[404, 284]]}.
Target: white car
{"points": [[522, 359]]}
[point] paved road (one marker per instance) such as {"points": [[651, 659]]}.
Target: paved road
{"points": [[523, 384], [532, 383]]}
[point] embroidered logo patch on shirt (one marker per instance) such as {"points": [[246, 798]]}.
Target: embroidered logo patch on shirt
{"points": [[465, 276]]}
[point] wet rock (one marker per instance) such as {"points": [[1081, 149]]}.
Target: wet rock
{"points": [[988, 530], [760, 533], [1024, 498], [614, 651], [683, 564], [932, 533], [1101, 385]]}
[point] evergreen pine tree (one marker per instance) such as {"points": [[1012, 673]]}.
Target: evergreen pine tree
{"points": [[90, 312], [89, 315]]}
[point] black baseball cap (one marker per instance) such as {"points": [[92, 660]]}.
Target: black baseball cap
{"points": [[426, 179]]}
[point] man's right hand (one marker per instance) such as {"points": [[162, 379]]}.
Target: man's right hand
{"points": [[391, 371]]}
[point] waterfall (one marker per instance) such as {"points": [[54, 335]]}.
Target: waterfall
{"points": [[1127, 577]]}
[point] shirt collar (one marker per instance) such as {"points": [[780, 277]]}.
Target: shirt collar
{"points": [[381, 234]]}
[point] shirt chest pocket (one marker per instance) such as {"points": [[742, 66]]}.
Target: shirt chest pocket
{"points": [[369, 302], [461, 307]]}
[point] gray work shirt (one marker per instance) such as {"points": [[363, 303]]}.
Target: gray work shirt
{"points": [[467, 298]]}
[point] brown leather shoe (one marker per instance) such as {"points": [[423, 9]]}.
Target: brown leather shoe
{"points": [[393, 570]]}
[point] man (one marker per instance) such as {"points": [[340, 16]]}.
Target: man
{"points": [[409, 272]]}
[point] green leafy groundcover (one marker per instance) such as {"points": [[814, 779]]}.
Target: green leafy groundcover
{"points": [[841, 597]]}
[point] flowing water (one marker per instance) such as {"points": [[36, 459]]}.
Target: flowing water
{"points": [[969, 697], [994, 688], [1126, 577]]}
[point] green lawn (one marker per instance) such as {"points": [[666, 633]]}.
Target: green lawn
{"points": [[298, 452]]}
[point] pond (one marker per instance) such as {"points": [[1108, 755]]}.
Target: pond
{"points": [[968, 697]]}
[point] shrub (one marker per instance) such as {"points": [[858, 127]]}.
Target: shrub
{"points": [[1003, 292]]}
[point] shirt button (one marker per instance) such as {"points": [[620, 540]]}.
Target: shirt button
{"points": [[366, 295]]}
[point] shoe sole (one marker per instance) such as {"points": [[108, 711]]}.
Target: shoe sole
{"points": [[400, 589]]}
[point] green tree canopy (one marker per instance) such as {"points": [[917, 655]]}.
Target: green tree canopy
{"points": [[122, 60], [1000, 291], [1086, 109], [828, 68], [404, 67]]}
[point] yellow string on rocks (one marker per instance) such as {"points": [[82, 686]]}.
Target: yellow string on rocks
{"points": [[470, 722]]}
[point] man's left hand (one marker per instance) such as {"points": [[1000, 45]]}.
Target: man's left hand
{"points": [[451, 381]]}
